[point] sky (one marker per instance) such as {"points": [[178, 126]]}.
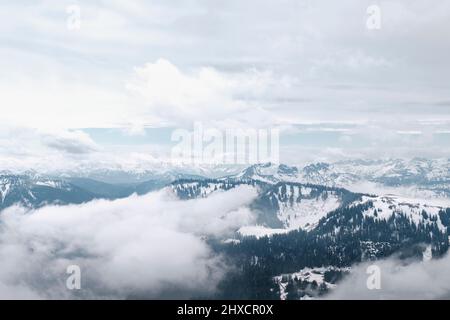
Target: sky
{"points": [[88, 78]]}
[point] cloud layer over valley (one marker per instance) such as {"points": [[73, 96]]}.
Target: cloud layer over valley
{"points": [[142, 246], [399, 280]]}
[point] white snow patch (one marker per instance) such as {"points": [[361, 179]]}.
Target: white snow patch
{"points": [[307, 274], [387, 205], [306, 213], [4, 190], [260, 231]]}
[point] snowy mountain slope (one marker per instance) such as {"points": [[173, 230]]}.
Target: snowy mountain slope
{"points": [[308, 282], [418, 211], [285, 205], [288, 206], [258, 232], [117, 190], [305, 213], [191, 189], [266, 172], [418, 177], [297, 205], [424, 173], [35, 191], [119, 176], [120, 173]]}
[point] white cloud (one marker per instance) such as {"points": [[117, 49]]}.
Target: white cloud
{"points": [[288, 62], [148, 246], [204, 94], [415, 133], [399, 280], [76, 142], [23, 149], [57, 104]]}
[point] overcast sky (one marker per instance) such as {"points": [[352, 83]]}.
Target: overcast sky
{"points": [[313, 68]]}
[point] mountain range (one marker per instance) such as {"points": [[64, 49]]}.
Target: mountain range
{"points": [[424, 176], [290, 198], [312, 224]]}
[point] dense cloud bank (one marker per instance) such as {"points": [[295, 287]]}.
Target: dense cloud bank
{"points": [[144, 246], [398, 280]]}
